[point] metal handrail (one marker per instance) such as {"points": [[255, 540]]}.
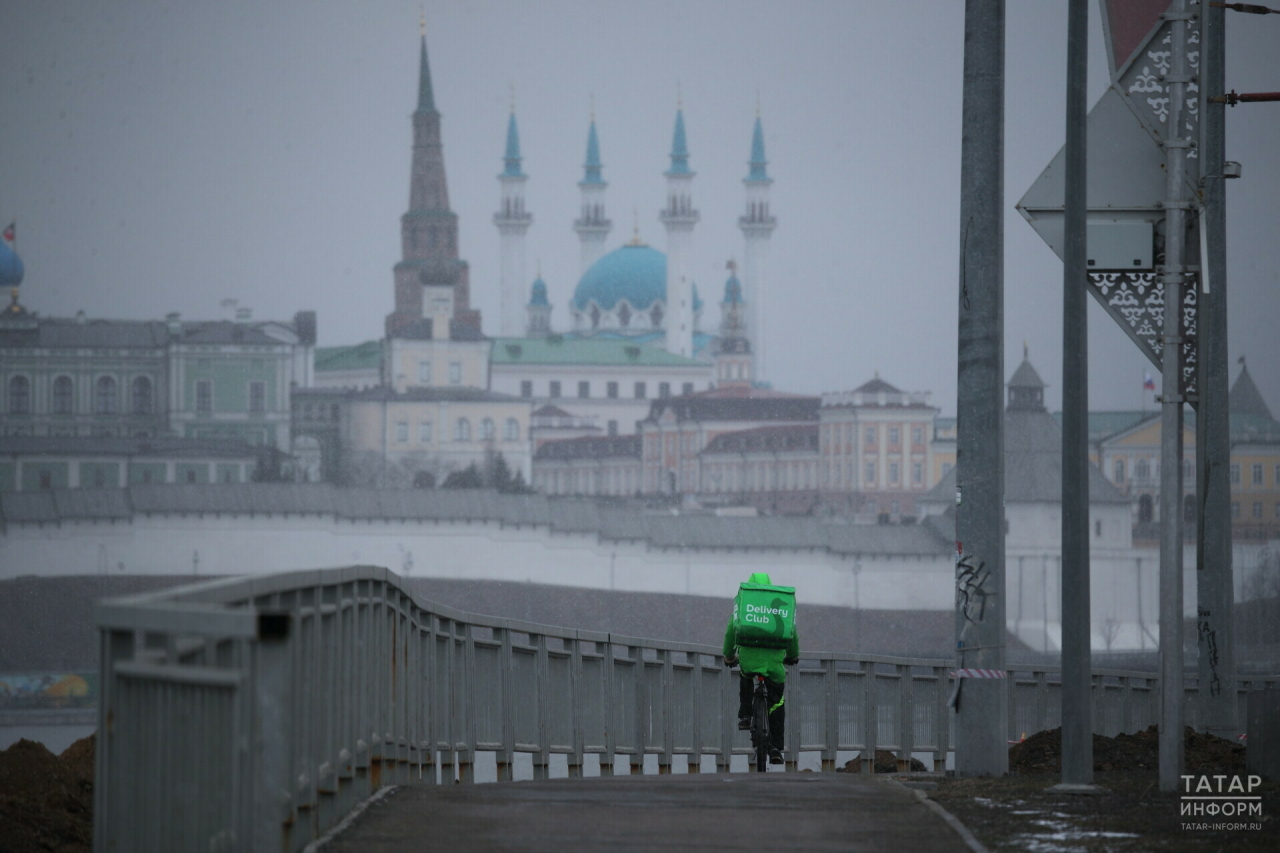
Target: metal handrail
{"points": [[254, 713]]}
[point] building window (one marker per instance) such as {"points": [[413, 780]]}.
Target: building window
{"points": [[486, 429], [611, 390], [63, 392], [1118, 471], [664, 389], [871, 472], [425, 432], [946, 468], [686, 389], [46, 480], [613, 427], [462, 431], [257, 397], [1257, 474], [104, 398], [1257, 509], [455, 373], [1142, 469], [513, 430], [893, 473], [402, 431], [584, 390], [917, 435], [917, 473], [641, 392], [870, 436], [1146, 509], [99, 478], [555, 388], [204, 395], [1097, 527], [526, 388], [191, 476], [424, 373], [1235, 473], [893, 436], [1235, 509], [141, 404]]}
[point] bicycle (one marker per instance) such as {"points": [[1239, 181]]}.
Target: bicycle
{"points": [[760, 723]]}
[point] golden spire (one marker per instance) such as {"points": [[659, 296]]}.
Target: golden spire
{"points": [[635, 227], [422, 23]]}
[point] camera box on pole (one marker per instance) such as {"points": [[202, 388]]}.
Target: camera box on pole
{"points": [[764, 616]]}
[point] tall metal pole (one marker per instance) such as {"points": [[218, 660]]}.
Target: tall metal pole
{"points": [[980, 703], [1214, 586], [1172, 275], [1077, 717]]}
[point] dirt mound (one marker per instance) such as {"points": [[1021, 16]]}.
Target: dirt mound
{"points": [[1042, 752], [46, 801], [886, 762]]}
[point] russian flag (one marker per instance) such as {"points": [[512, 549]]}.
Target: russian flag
{"points": [[1148, 383], [11, 233]]}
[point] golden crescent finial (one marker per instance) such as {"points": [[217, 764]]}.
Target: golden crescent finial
{"points": [[422, 23]]}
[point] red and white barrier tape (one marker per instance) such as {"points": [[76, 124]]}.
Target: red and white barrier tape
{"points": [[978, 673]]}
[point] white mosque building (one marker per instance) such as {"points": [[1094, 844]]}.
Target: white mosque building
{"points": [[636, 292]]}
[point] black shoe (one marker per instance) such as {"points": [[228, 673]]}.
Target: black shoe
{"points": [[775, 756], [744, 724]]}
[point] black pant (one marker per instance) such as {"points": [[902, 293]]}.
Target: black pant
{"points": [[777, 717]]}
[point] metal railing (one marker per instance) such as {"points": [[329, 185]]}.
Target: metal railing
{"points": [[254, 713]]}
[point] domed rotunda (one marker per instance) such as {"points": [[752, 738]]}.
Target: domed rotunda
{"points": [[624, 291]]}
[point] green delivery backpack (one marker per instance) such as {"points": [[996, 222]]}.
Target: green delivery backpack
{"points": [[764, 616]]}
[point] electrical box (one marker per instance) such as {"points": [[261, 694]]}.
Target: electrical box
{"points": [[1113, 245]]}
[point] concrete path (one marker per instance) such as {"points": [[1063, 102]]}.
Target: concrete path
{"points": [[730, 812]]}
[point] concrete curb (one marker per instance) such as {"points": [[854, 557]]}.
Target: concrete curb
{"points": [[319, 844], [951, 820]]}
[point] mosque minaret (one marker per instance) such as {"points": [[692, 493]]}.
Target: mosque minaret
{"points": [[513, 223], [592, 226], [757, 225], [679, 217]]}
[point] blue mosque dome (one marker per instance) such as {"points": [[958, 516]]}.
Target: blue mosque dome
{"points": [[11, 266], [539, 296], [634, 272]]}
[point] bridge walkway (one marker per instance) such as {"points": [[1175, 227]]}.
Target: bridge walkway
{"points": [[704, 812]]}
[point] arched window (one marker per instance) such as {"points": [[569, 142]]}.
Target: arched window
{"points": [[19, 396], [655, 315], [513, 430], [624, 315], [142, 396], [462, 430], [63, 394], [1119, 471], [595, 316], [1146, 509], [104, 396], [486, 429], [1142, 469]]}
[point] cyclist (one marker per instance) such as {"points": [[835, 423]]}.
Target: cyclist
{"points": [[769, 662]]}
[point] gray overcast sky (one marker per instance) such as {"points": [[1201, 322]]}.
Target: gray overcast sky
{"points": [[165, 156]]}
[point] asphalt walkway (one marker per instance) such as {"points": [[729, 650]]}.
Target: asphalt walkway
{"points": [[730, 812]]}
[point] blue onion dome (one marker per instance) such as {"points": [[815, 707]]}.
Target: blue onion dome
{"points": [[10, 266], [539, 297], [634, 272], [732, 291]]}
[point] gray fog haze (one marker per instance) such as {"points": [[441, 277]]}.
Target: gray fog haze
{"points": [[165, 156]]}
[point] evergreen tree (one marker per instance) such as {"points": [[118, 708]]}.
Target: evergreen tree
{"points": [[468, 478]]}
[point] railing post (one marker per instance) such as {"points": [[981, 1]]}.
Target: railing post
{"points": [[695, 708], [942, 721], [666, 699], [870, 721], [791, 734], [638, 738], [272, 687], [906, 717], [575, 759], [830, 715], [607, 758], [116, 646], [541, 758], [504, 759], [466, 751], [1011, 697]]}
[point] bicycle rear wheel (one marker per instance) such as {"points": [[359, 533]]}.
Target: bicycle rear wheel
{"points": [[760, 729]]}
